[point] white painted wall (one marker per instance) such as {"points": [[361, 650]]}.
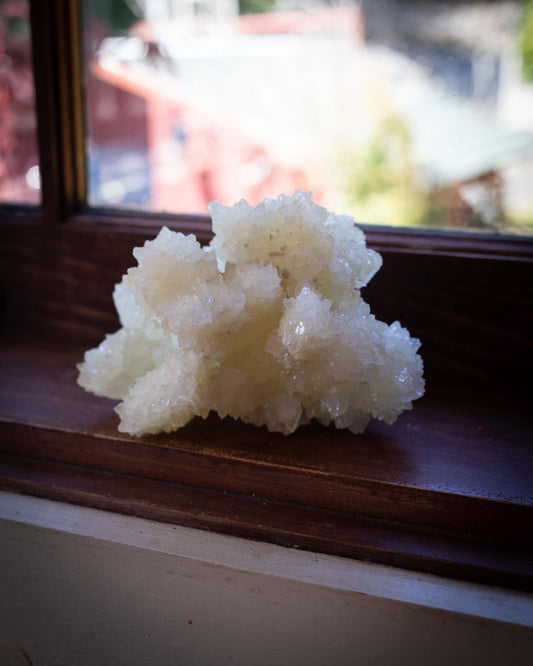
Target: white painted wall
{"points": [[85, 587]]}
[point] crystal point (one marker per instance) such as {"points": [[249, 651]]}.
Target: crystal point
{"points": [[266, 324]]}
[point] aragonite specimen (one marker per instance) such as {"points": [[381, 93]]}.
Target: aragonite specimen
{"points": [[265, 324]]}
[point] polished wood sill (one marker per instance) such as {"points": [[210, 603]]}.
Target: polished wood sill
{"points": [[448, 489]]}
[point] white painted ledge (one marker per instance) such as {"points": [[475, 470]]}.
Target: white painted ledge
{"points": [[82, 586]]}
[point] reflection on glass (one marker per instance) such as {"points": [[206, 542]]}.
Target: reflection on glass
{"points": [[19, 163], [399, 112]]}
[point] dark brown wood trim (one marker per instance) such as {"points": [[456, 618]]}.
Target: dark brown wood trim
{"points": [[453, 243], [178, 459], [145, 224], [457, 461], [142, 224], [56, 47], [492, 561], [457, 243], [473, 314], [448, 489]]}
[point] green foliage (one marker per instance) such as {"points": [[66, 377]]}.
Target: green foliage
{"points": [[117, 16], [520, 223], [526, 42], [379, 181], [256, 6], [383, 161]]}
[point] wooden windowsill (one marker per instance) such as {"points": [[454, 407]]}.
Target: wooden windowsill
{"points": [[446, 490]]}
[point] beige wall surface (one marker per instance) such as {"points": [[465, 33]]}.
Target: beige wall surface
{"points": [[81, 587]]}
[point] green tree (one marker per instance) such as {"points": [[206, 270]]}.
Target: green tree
{"points": [[256, 6], [526, 41], [379, 180]]}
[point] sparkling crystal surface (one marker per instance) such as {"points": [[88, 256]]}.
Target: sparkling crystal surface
{"points": [[266, 324]]}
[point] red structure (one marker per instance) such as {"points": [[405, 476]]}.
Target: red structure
{"points": [[194, 155]]}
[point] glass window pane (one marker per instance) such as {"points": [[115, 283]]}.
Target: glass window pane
{"points": [[19, 162], [403, 113]]}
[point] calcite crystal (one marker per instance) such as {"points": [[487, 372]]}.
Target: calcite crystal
{"points": [[266, 324]]}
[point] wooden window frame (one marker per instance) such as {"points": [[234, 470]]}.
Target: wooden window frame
{"points": [[447, 490]]}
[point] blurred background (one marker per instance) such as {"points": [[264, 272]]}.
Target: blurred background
{"points": [[398, 112]]}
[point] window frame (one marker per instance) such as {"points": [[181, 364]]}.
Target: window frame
{"points": [[59, 263], [57, 60]]}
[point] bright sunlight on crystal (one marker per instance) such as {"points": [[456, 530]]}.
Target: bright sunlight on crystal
{"points": [[266, 325]]}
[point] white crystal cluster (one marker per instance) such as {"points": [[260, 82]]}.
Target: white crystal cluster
{"points": [[265, 324]]}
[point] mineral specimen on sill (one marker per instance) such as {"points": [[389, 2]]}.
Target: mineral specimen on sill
{"points": [[265, 324]]}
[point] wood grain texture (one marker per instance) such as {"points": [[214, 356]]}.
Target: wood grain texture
{"points": [[59, 100], [448, 489], [473, 316], [490, 561]]}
